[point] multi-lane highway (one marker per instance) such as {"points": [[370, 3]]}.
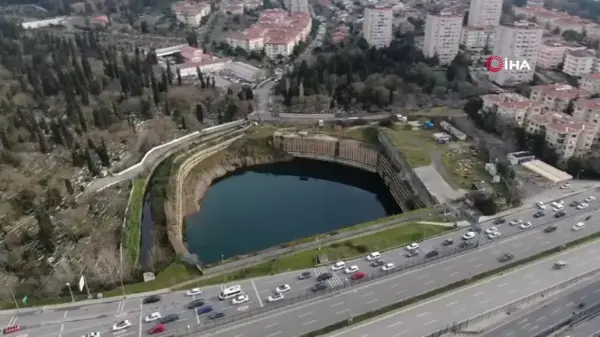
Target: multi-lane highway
{"points": [[76, 321], [551, 313]]}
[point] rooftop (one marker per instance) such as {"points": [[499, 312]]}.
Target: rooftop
{"points": [[558, 122], [509, 100], [563, 91]]}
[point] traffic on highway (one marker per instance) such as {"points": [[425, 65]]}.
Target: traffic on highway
{"points": [[129, 317]]}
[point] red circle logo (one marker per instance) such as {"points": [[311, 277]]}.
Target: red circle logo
{"points": [[494, 63]]}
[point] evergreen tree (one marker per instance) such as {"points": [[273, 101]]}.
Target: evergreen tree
{"points": [[69, 186], [91, 163], [45, 230]]}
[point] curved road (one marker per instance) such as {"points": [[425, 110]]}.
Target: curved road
{"points": [[77, 320]]}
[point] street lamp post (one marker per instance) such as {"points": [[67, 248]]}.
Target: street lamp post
{"points": [[71, 292], [222, 263], [122, 286], [12, 294]]}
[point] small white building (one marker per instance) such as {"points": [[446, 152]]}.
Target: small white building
{"points": [[61, 20]]}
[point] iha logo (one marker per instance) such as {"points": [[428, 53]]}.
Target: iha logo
{"points": [[495, 63]]}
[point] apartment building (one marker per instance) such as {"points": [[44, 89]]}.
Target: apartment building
{"points": [[556, 97], [485, 13], [476, 38], [442, 36], [277, 32], [520, 42], [565, 135], [191, 13], [580, 62], [552, 52], [510, 108], [590, 82], [294, 6], [378, 25]]}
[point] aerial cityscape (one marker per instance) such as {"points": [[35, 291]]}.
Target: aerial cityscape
{"points": [[300, 168]]}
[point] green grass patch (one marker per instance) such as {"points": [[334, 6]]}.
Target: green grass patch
{"points": [[131, 236], [367, 134], [441, 290], [414, 145], [380, 241], [175, 273], [464, 168]]}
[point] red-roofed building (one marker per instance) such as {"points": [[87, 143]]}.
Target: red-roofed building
{"points": [[556, 97], [510, 108], [579, 62], [277, 32], [565, 135], [194, 59], [191, 12]]}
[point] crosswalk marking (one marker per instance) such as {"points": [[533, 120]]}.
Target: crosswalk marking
{"points": [[333, 282], [425, 247]]}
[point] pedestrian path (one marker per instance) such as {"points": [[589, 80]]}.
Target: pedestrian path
{"points": [[333, 282]]}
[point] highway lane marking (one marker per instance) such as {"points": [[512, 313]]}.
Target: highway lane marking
{"points": [[422, 277], [502, 285], [306, 314], [394, 324], [400, 292], [510, 334], [341, 312], [274, 333], [479, 293], [196, 311], [428, 282], [430, 322], [367, 294], [388, 280], [336, 304], [472, 260], [532, 329], [525, 250], [451, 304], [546, 242], [535, 282], [556, 311], [400, 334], [423, 314], [372, 301], [120, 307], [257, 295], [309, 322], [528, 275], [448, 268], [62, 326], [12, 321], [453, 274], [271, 325], [541, 319], [239, 335], [141, 314], [395, 285], [479, 265], [485, 301], [459, 311], [522, 321]]}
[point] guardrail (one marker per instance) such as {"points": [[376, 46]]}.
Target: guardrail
{"points": [[578, 317], [457, 327], [348, 284]]}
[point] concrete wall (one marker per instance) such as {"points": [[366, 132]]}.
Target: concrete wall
{"points": [[351, 153]]}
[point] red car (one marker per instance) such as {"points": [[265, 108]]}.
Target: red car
{"points": [[358, 276], [158, 329], [11, 329]]}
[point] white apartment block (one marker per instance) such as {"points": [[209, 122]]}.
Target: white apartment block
{"points": [[590, 82], [556, 97], [510, 108], [442, 36], [191, 13], [476, 38], [295, 6], [517, 42], [377, 26], [484, 13], [565, 135], [580, 62], [552, 52]]}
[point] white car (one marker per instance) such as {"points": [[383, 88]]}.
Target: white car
{"points": [[590, 198], [558, 203], [284, 288], [565, 186], [275, 298], [525, 225], [494, 235], [239, 299], [338, 266], [468, 235], [540, 205], [582, 206], [152, 317], [194, 292], [491, 230], [92, 334], [515, 222], [412, 246], [373, 256], [558, 208], [122, 325], [351, 270], [578, 226], [388, 267]]}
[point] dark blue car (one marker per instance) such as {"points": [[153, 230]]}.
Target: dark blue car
{"points": [[205, 309]]}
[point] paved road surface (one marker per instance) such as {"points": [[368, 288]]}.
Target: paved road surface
{"points": [[471, 301], [587, 328], [554, 312], [76, 321]]}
